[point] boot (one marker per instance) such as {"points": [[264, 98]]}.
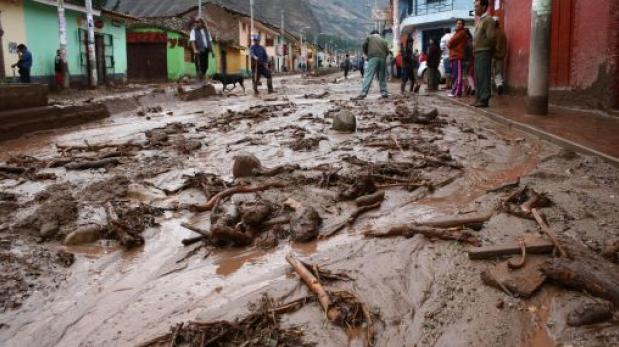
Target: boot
{"points": [[270, 86]]}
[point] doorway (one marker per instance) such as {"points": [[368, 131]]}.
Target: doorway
{"points": [[147, 61], [434, 34], [224, 58]]}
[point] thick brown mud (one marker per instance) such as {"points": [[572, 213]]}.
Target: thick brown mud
{"points": [[423, 292]]}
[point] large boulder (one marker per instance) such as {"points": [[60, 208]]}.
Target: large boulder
{"points": [[344, 121]]}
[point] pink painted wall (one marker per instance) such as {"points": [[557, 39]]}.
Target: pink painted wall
{"points": [[517, 26]]}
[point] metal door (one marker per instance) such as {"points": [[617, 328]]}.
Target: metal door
{"points": [[147, 61]]}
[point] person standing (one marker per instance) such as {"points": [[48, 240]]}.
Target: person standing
{"points": [[457, 45], [347, 66], [469, 64], [445, 57], [408, 64], [483, 45], [434, 59], [499, 56], [376, 48], [260, 65], [24, 64], [202, 45], [59, 69]]}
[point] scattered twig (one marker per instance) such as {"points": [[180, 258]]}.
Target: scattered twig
{"points": [[549, 232], [235, 190]]}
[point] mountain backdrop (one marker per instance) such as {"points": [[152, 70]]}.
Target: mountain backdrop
{"points": [[349, 19]]}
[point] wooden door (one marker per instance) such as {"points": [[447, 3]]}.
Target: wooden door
{"points": [[561, 43], [100, 57], [147, 61]]}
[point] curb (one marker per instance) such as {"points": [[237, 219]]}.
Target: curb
{"points": [[557, 140]]}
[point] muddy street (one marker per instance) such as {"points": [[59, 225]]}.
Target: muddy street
{"points": [[115, 232]]}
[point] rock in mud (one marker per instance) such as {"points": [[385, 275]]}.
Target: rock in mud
{"points": [[305, 224], [363, 186], [611, 251], [83, 235], [254, 214], [590, 313], [344, 121], [200, 93], [245, 165], [58, 209]]}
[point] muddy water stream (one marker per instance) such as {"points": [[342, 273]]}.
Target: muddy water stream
{"points": [[121, 298]]}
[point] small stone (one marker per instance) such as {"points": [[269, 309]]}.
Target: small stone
{"points": [[344, 121]]}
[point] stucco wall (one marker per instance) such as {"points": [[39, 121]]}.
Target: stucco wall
{"points": [[41, 23], [12, 17]]}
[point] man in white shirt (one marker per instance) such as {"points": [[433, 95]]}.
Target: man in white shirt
{"points": [[202, 45], [445, 56]]}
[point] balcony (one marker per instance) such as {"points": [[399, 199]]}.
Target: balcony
{"points": [[426, 7]]}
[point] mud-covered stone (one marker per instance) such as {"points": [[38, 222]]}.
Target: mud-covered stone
{"points": [[83, 235], [590, 313], [305, 224], [344, 121], [245, 165]]}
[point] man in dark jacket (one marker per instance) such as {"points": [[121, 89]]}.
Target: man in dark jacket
{"points": [[376, 48], [483, 45], [260, 65], [434, 59], [24, 64], [202, 45], [409, 63]]}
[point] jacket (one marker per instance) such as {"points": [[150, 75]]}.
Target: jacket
{"points": [[457, 44], [434, 56], [375, 47], [501, 45], [485, 36]]}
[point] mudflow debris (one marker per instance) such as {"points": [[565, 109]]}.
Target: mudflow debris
{"points": [[304, 219]]}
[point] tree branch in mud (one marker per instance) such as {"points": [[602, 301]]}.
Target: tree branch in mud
{"points": [[350, 220], [235, 190], [458, 221], [410, 230], [548, 231], [94, 164]]}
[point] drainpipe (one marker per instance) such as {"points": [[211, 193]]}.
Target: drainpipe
{"points": [[62, 38], [92, 58], [539, 57]]}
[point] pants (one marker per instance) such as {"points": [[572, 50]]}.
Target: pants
{"points": [[24, 75], [458, 77], [258, 70], [498, 72], [59, 79], [408, 74], [483, 76], [201, 63], [345, 73], [433, 78], [376, 66]]}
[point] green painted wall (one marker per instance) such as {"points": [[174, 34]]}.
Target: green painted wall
{"points": [[177, 66], [42, 39]]}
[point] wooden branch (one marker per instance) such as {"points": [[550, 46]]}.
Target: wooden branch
{"points": [[12, 169], [235, 190], [410, 230], [370, 199], [350, 220], [487, 252], [333, 314], [523, 257], [549, 232], [94, 164], [459, 221]]}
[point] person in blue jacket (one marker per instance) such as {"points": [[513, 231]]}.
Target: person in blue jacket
{"points": [[24, 64], [260, 65]]}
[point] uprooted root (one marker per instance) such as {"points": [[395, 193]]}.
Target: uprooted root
{"points": [[260, 328]]}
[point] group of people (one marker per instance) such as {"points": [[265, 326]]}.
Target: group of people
{"points": [[471, 62]]}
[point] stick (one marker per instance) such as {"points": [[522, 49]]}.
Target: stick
{"points": [[410, 230], [395, 139], [350, 220], [333, 314], [488, 252], [195, 229], [458, 221], [235, 190], [277, 221], [95, 164], [370, 199], [13, 169], [523, 257], [549, 232]]}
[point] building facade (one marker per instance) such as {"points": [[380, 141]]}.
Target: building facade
{"points": [[428, 19], [35, 24]]}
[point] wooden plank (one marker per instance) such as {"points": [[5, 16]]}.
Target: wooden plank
{"points": [[533, 247]]}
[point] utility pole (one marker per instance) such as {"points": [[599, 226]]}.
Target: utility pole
{"points": [[92, 58], [251, 11], [62, 39], [396, 27], [283, 43], [199, 8], [539, 57]]}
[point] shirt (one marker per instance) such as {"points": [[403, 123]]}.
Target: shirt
{"points": [[444, 45], [259, 53], [25, 62], [203, 36]]}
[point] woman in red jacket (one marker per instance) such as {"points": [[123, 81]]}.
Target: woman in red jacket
{"points": [[457, 45]]}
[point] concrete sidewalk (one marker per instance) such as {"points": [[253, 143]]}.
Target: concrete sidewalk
{"points": [[588, 132]]}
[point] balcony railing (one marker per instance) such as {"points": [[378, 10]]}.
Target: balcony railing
{"points": [[425, 7]]}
